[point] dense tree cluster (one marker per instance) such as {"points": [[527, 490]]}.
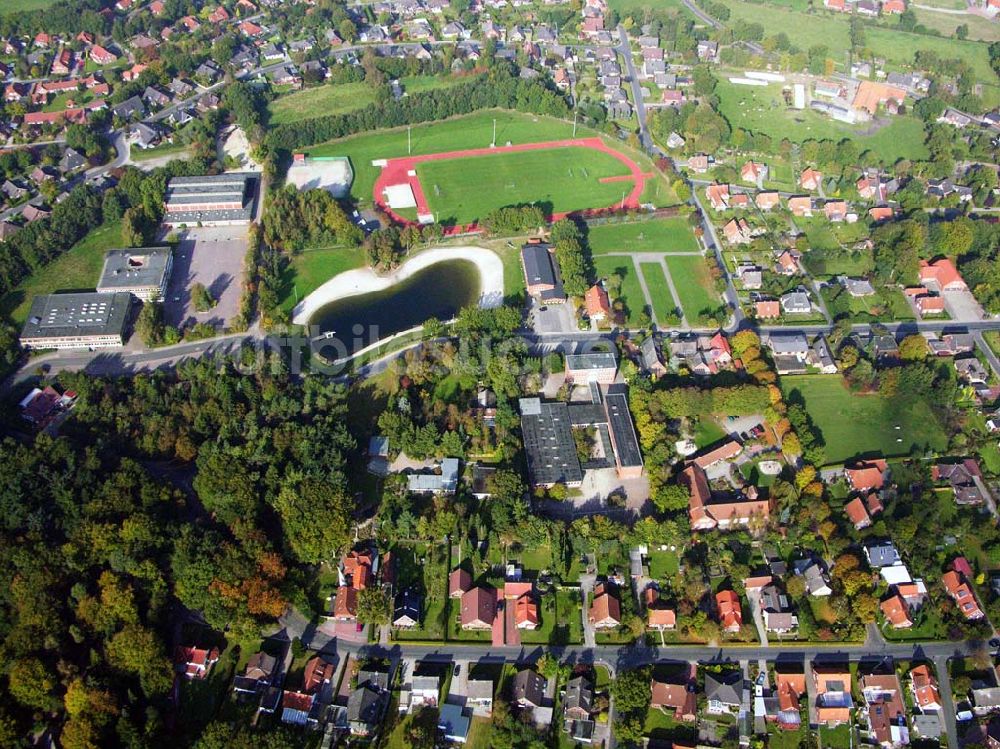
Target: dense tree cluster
{"points": [[569, 249], [295, 219], [513, 219], [98, 547]]}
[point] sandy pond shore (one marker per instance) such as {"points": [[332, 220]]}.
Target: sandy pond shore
{"points": [[365, 280]]}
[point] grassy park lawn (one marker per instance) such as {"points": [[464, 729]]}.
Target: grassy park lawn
{"points": [[662, 235], [178, 149], [693, 282], [78, 269], [310, 269], [458, 133], [337, 98], [838, 262], [858, 424], [833, 32], [762, 109], [14, 6], [663, 301], [464, 190], [631, 293]]}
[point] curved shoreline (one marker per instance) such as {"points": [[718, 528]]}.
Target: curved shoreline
{"points": [[365, 280]]}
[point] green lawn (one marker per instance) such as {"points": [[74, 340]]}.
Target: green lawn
{"points": [[662, 564], [424, 567], [79, 269], [707, 431], [61, 102], [762, 109], [310, 269], [631, 293], [471, 131], [464, 190], [662, 235], [14, 6], [663, 301], [337, 98], [833, 31], [480, 733], [178, 149], [858, 424], [693, 282]]}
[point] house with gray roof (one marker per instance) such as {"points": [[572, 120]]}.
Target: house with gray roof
{"points": [[724, 691]]}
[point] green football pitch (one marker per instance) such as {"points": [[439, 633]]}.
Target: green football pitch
{"points": [[464, 189]]}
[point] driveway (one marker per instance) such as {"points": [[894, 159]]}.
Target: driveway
{"points": [[553, 318], [962, 306], [586, 587], [214, 257], [758, 616]]}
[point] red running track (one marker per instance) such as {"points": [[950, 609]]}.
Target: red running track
{"points": [[397, 172]]}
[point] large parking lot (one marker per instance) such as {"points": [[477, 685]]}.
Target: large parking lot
{"points": [[212, 256]]}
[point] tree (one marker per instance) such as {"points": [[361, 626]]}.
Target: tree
{"points": [[671, 497], [202, 299], [374, 606], [913, 348], [316, 518], [149, 324], [137, 650], [33, 684], [134, 228]]}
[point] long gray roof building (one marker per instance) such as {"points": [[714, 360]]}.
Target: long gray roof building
{"points": [[210, 199], [78, 320]]}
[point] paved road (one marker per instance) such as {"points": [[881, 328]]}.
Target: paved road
{"points": [[635, 656], [625, 50], [731, 297], [703, 16], [947, 703]]}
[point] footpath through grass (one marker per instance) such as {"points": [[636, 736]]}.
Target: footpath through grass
{"points": [[853, 425], [464, 190], [78, 269], [658, 235]]}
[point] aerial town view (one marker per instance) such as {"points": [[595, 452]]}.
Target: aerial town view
{"points": [[503, 374]]}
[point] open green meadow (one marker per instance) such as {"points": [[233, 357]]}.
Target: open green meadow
{"points": [[78, 269], [458, 133], [762, 109], [693, 282], [464, 190], [13, 6], [663, 301], [833, 31], [337, 98], [853, 425], [660, 235]]}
